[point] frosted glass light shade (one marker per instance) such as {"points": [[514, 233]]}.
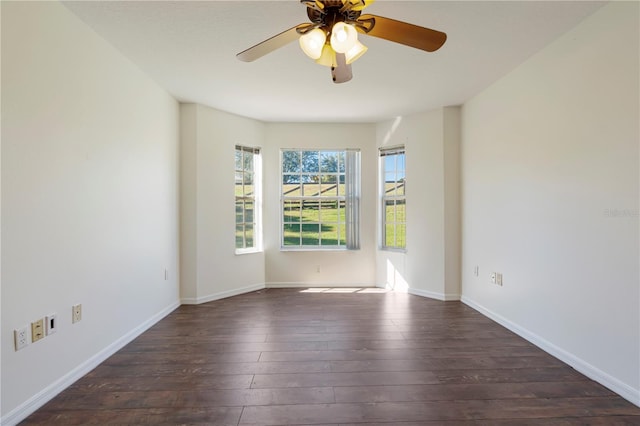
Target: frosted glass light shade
{"points": [[312, 42], [343, 37], [328, 56], [355, 52]]}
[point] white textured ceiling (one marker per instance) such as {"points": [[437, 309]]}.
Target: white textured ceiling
{"points": [[189, 49]]}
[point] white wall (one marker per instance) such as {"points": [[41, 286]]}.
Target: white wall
{"points": [[89, 200], [337, 268], [430, 265], [210, 267], [550, 198]]}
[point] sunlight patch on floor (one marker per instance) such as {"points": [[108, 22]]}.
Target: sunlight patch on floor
{"points": [[366, 290]]}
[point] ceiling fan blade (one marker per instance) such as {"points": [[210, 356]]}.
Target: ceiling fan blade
{"points": [[401, 32], [271, 44], [341, 73]]}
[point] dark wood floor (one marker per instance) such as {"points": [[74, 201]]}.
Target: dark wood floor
{"points": [[284, 357]]}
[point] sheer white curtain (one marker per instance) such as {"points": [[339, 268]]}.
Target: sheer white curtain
{"points": [[352, 199]]}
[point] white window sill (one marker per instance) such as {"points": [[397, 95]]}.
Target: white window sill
{"points": [[393, 250], [314, 248], [240, 252]]}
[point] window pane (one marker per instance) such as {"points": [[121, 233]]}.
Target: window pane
{"points": [[239, 211], [390, 177], [311, 189], [390, 162], [341, 167], [248, 184], [238, 159], [292, 211], [401, 235], [239, 179], [291, 186], [310, 234], [328, 186], [329, 211], [329, 234], [290, 179], [400, 163], [389, 235], [248, 161], [248, 232], [329, 161], [400, 187], [291, 235], [342, 233], [400, 211], [247, 178], [239, 236], [248, 211], [310, 162], [390, 211], [291, 162], [310, 211]]}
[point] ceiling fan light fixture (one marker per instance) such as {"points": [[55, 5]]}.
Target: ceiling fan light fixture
{"points": [[355, 52], [343, 37], [313, 42], [328, 57], [357, 5]]}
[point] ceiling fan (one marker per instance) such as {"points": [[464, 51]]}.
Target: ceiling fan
{"points": [[331, 38]]}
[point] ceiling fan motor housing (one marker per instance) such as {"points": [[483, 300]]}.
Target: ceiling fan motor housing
{"points": [[330, 14]]}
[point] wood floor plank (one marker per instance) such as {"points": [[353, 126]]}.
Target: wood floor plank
{"points": [[440, 410], [471, 343], [416, 393], [221, 416], [242, 368], [565, 421], [304, 380], [333, 357], [479, 354], [149, 383], [109, 400]]}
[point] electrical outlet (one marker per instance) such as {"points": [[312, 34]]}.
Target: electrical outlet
{"points": [[51, 323], [37, 330], [476, 271], [76, 313], [498, 278], [21, 337]]}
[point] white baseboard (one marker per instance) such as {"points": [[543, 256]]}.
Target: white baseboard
{"points": [[221, 295], [22, 411], [627, 392], [433, 295], [317, 285]]}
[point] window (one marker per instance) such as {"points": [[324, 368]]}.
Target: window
{"points": [[247, 189], [320, 199], [393, 197]]}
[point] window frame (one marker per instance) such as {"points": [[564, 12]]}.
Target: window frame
{"points": [[343, 221], [244, 198], [395, 198]]}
